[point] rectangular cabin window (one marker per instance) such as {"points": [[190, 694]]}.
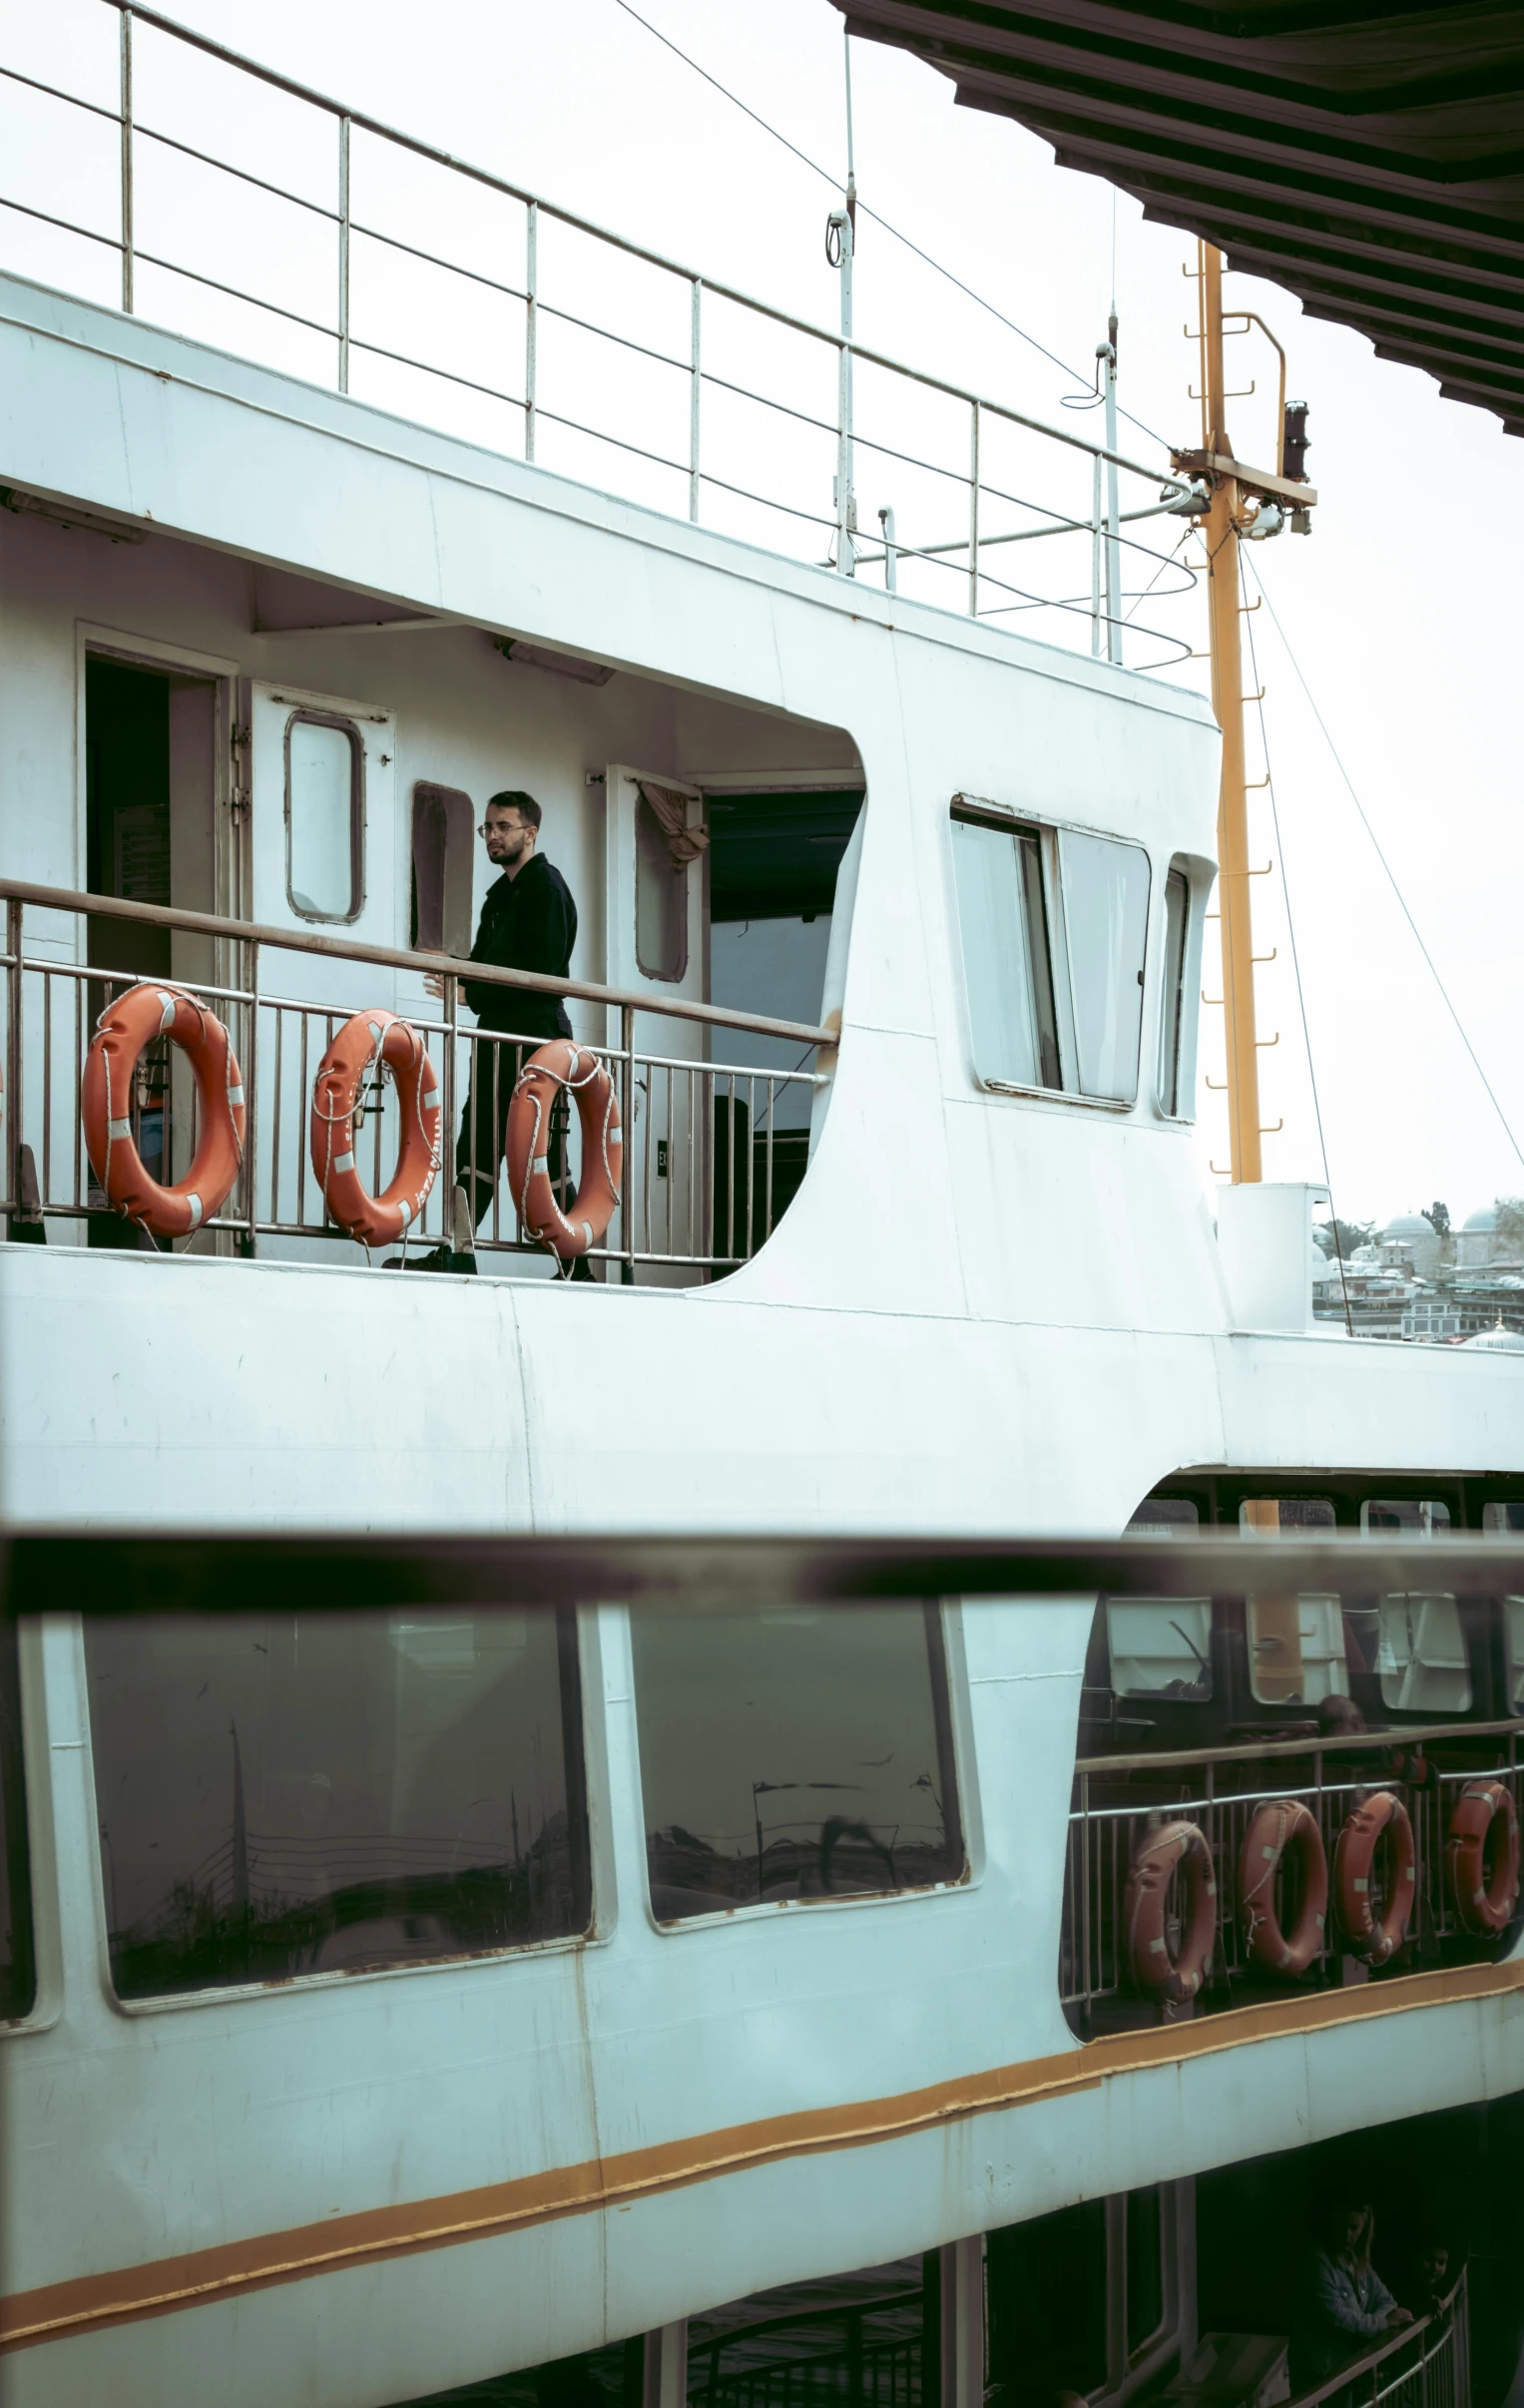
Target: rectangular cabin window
{"points": [[1161, 1647], [661, 898], [1173, 1022], [18, 1979], [868, 2339], [1295, 1644], [1005, 954], [324, 817], [1145, 2246], [1420, 1648], [1105, 918], [284, 1794], [1045, 2294], [1508, 1514], [802, 1753], [442, 853]]}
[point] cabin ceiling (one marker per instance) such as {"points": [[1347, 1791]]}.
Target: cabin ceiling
{"points": [[1369, 158]]}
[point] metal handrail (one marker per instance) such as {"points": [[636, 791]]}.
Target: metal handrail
{"points": [[1453, 2306], [1380, 1738], [395, 957]]}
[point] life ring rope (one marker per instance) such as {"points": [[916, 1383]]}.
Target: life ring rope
{"points": [[124, 1029], [529, 1142], [390, 1044]]}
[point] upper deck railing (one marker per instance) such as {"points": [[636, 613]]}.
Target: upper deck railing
{"points": [[503, 322], [706, 1167]]}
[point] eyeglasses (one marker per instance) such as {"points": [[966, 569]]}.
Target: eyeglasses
{"points": [[506, 827]]}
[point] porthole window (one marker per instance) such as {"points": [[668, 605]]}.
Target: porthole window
{"points": [[324, 817]]}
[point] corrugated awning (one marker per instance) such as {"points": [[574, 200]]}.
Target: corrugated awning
{"points": [[1369, 159]]}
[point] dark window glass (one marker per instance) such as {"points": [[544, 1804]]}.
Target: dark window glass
{"points": [[868, 2339], [18, 1981], [1161, 1647], [802, 1753], [1045, 2303], [1145, 2268], [282, 1794], [1176, 912]]}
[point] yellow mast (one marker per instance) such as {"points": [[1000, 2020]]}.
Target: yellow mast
{"points": [[1222, 587]]}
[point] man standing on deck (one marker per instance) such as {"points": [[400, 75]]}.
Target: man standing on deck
{"points": [[528, 922]]}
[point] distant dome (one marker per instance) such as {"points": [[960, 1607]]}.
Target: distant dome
{"points": [[1499, 1341], [1484, 1222], [1410, 1224]]}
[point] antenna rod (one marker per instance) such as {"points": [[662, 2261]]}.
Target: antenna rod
{"points": [[1223, 591]]}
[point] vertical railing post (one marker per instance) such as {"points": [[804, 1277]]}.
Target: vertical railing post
{"points": [[1113, 521], [451, 1011], [627, 1115], [13, 1053], [344, 254], [973, 514], [530, 322], [695, 394], [126, 161], [252, 1106], [1084, 1899], [1095, 560], [840, 250]]}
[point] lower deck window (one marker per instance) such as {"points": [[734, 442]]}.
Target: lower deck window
{"points": [[802, 1753], [17, 1974], [282, 1795], [868, 2340], [1295, 1644]]}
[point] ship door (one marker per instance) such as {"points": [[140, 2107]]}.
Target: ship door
{"points": [[151, 836], [657, 945]]}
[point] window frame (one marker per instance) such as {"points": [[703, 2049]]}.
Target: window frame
{"points": [[1177, 1022], [303, 715], [679, 884], [974, 811], [955, 1753], [426, 793]]}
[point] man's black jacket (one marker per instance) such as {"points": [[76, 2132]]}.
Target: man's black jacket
{"points": [[527, 923]]}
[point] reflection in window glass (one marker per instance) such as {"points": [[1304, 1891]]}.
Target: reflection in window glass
{"points": [[1172, 1025], [1005, 955], [1106, 917], [1295, 1644], [868, 2339], [1045, 2304], [282, 1794], [804, 1753], [17, 1971], [661, 898], [323, 818], [1420, 1648], [1508, 1514], [1144, 2267], [1161, 1647]]}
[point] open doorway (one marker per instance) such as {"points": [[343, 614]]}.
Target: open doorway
{"points": [[150, 837], [773, 860]]}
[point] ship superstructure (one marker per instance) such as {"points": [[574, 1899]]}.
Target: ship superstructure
{"points": [[460, 2041]]}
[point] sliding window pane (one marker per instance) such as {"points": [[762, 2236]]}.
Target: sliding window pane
{"points": [[1106, 914], [1176, 913], [1005, 955], [282, 1795], [804, 1753]]}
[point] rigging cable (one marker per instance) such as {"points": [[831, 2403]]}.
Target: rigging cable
{"points": [[1390, 874], [835, 183], [1301, 1004]]}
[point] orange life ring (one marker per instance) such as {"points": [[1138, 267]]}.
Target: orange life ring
{"points": [[363, 1044], [1175, 1846], [126, 1026], [555, 1067], [1376, 1927], [1484, 1902], [1281, 1823]]}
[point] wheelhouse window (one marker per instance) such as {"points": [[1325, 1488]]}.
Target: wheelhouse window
{"points": [[1297, 1651], [18, 1982], [1161, 1647], [1177, 1064], [281, 1795], [1054, 930], [442, 853], [802, 1753], [324, 817], [1419, 1647]]}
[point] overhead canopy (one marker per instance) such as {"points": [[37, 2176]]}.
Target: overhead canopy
{"points": [[1369, 158]]}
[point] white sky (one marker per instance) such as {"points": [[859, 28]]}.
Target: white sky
{"points": [[1396, 606]]}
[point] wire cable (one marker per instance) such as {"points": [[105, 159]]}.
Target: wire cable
{"points": [[1390, 874], [1301, 1003], [863, 209]]}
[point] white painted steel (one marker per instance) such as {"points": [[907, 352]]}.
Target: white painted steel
{"points": [[983, 1314]]}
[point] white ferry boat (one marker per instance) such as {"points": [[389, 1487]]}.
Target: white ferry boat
{"points": [[489, 1989]]}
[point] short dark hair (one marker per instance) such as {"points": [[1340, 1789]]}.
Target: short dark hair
{"points": [[513, 799]]}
